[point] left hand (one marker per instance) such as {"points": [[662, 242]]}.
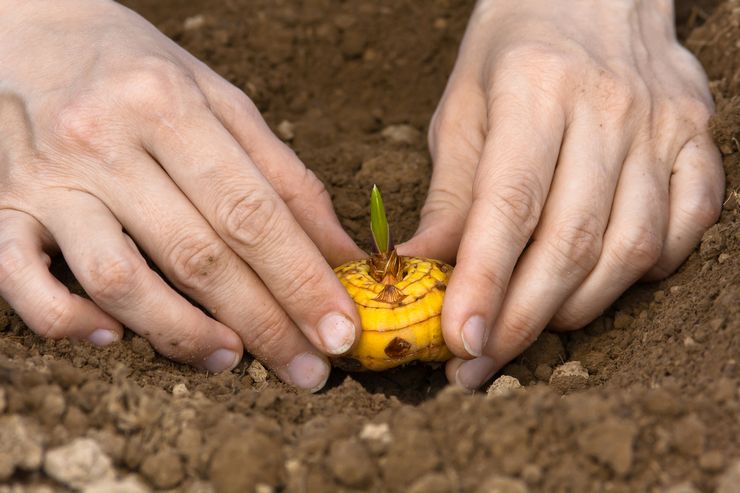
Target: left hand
{"points": [[571, 158]]}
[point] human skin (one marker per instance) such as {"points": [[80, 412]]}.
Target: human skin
{"points": [[114, 139], [572, 158], [581, 130]]}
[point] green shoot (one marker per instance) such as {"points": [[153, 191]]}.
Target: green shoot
{"points": [[379, 222]]}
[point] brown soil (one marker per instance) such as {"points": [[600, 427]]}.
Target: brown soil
{"points": [[658, 411]]}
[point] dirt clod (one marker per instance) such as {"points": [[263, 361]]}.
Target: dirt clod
{"points": [[228, 470], [359, 81], [350, 463], [610, 442], [569, 377], [163, 469], [78, 464], [20, 445], [503, 386]]}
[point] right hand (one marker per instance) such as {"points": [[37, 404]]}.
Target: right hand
{"points": [[107, 126]]}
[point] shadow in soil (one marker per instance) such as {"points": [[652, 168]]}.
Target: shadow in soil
{"points": [[412, 384]]}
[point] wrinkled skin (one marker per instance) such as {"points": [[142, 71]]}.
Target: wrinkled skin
{"points": [[571, 159], [107, 126]]}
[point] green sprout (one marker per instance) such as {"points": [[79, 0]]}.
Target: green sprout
{"points": [[379, 222]]}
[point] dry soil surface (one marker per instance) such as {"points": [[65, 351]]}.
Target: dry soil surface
{"points": [[648, 399]]}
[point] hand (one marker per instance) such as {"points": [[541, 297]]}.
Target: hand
{"points": [[107, 126], [571, 159]]}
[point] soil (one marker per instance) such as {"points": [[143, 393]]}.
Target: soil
{"points": [[649, 399]]}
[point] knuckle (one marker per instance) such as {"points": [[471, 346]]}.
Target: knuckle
{"points": [[158, 84], [266, 336], [305, 286], [569, 318], [489, 279], [701, 210], [196, 260], [306, 187], [79, 124], [520, 329], [56, 318], [518, 202], [443, 202], [250, 218], [112, 279], [638, 249], [536, 58], [617, 95], [12, 261], [578, 243]]}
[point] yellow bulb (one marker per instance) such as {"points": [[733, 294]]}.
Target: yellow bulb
{"points": [[400, 318]]}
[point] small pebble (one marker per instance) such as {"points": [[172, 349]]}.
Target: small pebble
{"points": [[180, 390], [690, 343], [659, 296], [402, 134], [503, 385], [676, 289], [723, 257], [286, 130], [78, 463], [194, 22], [377, 437], [569, 377], [263, 488], [257, 372]]}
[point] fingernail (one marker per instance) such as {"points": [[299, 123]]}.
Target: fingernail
{"points": [[308, 371], [471, 374], [337, 333], [221, 360], [474, 335], [102, 337]]}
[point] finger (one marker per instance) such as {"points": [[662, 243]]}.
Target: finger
{"points": [[229, 191], [632, 243], [304, 194], [510, 188], [567, 242], [470, 374], [44, 303], [117, 278], [198, 262], [456, 138], [696, 193]]}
